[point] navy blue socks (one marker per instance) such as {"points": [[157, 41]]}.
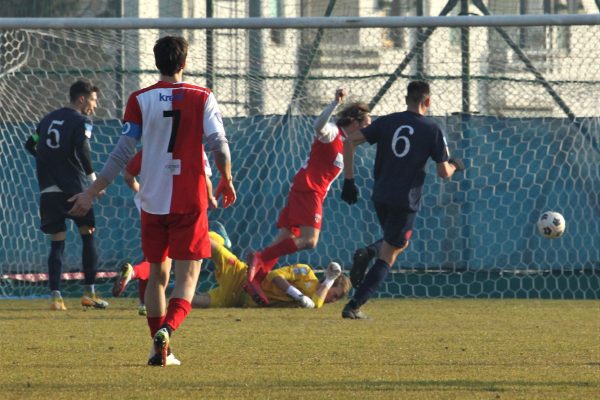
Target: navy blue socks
{"points": [[370, 285], [89, 258], [57, 249]]}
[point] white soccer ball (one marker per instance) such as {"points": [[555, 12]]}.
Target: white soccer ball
{"points": [[551, 225]]}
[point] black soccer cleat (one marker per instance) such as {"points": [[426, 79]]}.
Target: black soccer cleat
{"points": [[157, 360], [360, 262], [161, 345], [353, 313]]}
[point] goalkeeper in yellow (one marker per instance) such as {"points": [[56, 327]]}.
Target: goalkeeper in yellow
{"points": [[289, 286]]}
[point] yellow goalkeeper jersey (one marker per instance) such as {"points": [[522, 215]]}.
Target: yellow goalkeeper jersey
{"points": [[230, 274], [301, 276]]}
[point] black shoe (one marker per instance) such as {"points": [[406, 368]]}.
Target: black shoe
{"points": [[157, 360], [360, 262], [353, 313]]}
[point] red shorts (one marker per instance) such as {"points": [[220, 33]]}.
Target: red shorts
{"points": [[179, 236], [302, 209]]}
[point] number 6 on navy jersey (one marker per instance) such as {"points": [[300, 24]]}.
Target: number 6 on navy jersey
{"points": [[397, 137]]}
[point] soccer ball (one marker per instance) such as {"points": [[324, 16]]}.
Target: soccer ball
{"points": [[551, 225]]}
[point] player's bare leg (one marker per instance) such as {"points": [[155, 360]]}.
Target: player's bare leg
{"points": [[155, 295], [201, 300], [308, 238], [186, 278]]}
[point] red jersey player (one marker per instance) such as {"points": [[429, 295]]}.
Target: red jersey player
{"points": [[300, 221], [171, 118]]}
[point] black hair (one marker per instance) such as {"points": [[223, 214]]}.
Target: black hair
{"points": [[170, 53], [417, 92], [81, 88]]}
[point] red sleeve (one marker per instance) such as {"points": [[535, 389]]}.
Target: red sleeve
{"points": [[132, 111], [134, 166]]}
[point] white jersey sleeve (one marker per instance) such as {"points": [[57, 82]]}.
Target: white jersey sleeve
{"points": [[329, 133], [213, 121]]}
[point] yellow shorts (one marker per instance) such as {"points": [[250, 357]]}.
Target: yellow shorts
{"points": [[230, 274]]}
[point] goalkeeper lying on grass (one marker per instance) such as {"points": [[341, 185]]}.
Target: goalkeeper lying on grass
{"points": [[294, 285]]}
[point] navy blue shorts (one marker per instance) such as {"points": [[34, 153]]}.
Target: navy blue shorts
{"points": [[396, 223], [54, 210]]}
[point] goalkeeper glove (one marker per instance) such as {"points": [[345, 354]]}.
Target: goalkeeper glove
{"points": [[306, 302], [349, 191], [297, 295], [458, 164], [333, 271]]}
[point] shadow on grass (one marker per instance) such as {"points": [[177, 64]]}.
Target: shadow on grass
{"points": [[336, 386]]}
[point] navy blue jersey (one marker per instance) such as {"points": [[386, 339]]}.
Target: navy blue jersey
{"points": [[405, 141], [63, 150]]}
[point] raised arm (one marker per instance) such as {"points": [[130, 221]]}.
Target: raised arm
{"points": [[331, 273], [320, 125]]}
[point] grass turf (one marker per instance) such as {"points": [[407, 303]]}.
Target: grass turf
{"points": [[417, 349]]}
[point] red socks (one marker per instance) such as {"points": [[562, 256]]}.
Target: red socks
{"points": [[154, 323], [261, 274], [142, 270], [177, 310], [286, 246]]}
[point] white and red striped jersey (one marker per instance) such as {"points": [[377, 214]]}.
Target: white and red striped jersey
{"points": [[134, 166], [174, 118], [325, 162]]}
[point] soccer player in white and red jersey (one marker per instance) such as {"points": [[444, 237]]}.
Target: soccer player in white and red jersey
{"points": [[141, 270], [171, 118], [300, 221]]}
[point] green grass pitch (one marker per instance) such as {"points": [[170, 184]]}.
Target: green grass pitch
{"points": [[413, 349]]}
